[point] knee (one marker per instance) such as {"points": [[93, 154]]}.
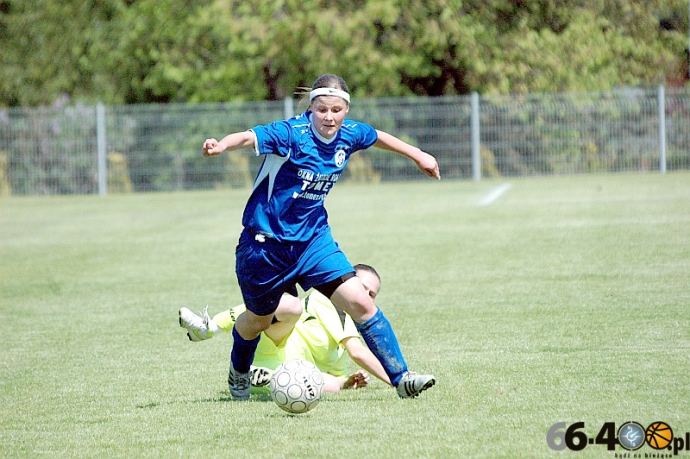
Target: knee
{"points": [[362, 307], [289, 310], [289, 305], [249, 323], [263, 322]]}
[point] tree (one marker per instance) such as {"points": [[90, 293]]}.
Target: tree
{"points": [[133, 51], [49, 49]]}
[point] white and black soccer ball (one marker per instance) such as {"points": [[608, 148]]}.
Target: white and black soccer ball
{"points": [[296, 386]]}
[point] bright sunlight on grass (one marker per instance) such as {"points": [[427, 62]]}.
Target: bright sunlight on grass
{"points": [[565, 299]]}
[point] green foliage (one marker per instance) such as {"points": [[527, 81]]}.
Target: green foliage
{"points": [[123, 51], [158, 43], [162, 143], [52, 150], [574, 133], [5, 187], [488, 164], [238, 173], [54, 48], [118, 174], [360, 170], [575, 46]]}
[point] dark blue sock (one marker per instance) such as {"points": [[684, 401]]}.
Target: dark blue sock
{"points": [[243, 350], [378, 334]]}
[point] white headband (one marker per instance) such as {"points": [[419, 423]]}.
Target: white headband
{"points": [[329, 92]]}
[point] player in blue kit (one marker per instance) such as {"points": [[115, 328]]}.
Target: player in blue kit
{"points": [[286, 238]]}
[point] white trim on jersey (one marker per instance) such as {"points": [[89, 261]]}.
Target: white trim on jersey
{"points": [[270, 168]]}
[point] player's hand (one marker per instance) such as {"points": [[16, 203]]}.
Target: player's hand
{"points": [[357, 380], [211, 148], [427, 164]]}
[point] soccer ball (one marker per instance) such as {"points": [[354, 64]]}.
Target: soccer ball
{"points": [[296, 386]]}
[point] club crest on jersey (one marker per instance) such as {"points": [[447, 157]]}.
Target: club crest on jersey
{"points": [[340, 156]]}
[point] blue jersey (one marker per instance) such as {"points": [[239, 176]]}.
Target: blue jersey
{"points": [[299, 169]]}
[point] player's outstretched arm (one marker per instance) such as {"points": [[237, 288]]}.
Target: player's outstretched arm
{"points": [[362, 356], [230, 142], [425, 162]]}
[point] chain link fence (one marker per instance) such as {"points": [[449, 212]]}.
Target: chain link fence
{"points": [[121, 149]]}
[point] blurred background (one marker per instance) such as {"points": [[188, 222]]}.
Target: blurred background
{"points": [[110, 96]]}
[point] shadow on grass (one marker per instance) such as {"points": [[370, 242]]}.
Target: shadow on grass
{"points": [[223, 398]]}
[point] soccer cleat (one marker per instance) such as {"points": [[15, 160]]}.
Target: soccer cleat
{"points": [[197, 327], [412, 384], [260, 376], [239, 384]]}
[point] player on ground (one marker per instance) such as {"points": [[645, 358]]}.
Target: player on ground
{"points": [[321, 336], [286, 238]]}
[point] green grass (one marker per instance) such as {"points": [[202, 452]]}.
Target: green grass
{"points": [[566, 299]]}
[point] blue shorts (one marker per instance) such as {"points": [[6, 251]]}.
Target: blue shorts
{"points": [[266, 268]]}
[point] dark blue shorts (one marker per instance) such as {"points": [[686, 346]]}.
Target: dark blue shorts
{"points": [[266, 269]]}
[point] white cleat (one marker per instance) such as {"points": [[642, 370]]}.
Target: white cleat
{"points": [[412, 384], [197, 327]]}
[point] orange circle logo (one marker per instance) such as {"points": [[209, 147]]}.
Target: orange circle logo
{"points": [[659, 435]]}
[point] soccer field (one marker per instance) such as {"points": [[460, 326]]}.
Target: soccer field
{"points": [[534, 301]]}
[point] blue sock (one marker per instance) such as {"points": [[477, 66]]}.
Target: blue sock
{"points": [[378, 334], [243, 350]]}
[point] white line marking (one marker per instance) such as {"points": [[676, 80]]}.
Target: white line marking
{"points": [[494, 195]]}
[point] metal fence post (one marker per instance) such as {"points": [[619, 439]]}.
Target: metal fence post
{"points": [[476, 146], [662, 129], [101, 147], [288, 107]]}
